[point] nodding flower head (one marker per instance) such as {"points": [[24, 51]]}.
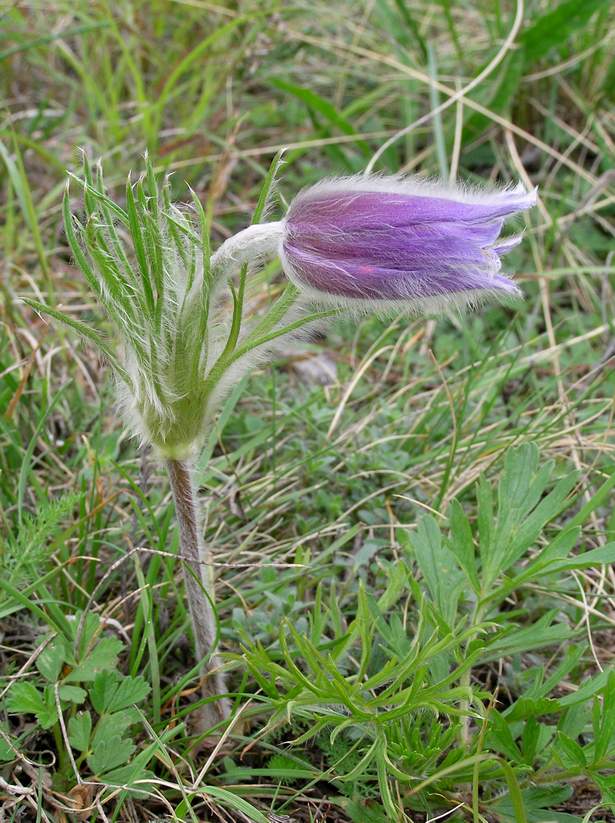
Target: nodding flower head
{"points": [[396, 242]]}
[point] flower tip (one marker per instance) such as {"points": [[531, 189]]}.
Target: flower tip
{"points": [[533, 195], [529, 196], [505, 245], [507, 287]]}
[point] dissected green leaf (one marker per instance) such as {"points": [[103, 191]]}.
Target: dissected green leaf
{"points": [[111, 691], [111, 725], [73, 694], [25, 698], [571, 754], [516, 640], [538, 803], [524, 509], [79, 728], [461, 543], [51, 659], [102, 657], [438, 567], [109, 753]]}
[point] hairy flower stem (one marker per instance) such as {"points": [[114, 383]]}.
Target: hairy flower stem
{"points": [[199, 585]]}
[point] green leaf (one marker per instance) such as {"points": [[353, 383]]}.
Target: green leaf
{"points": [[109, 753], [555, 28], [360, 812], [571, 754], [500, 737], [591, 686], [97, 193], [534, 734], [546, 563], [73, 694], [522, 513], [25, 698], [8, 745], [397, 575], [537, 518], [604, 727], [606, 784], [27, 549], [603, 556], [525, 707], [485, 519], [266, 186], [438, 567], [84, 330], [51, 659], [79, 729], [538, 803], [233, 801], [112, 725], [130, 690], [102, 657], [516, 640], [103, 689], [546, 685], [135, 223], [22, 601], [461, 543]]}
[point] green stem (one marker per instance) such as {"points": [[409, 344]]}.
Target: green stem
{"points": [[60, 749], [198, 575], [465, 681]]}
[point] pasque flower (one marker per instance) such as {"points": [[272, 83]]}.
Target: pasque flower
{"points": [[417, 245], [183, 334]]}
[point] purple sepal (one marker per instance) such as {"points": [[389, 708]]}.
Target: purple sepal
{"points": [[389, 239]]}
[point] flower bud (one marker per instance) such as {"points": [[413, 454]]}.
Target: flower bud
{"points": [[400, 243]]}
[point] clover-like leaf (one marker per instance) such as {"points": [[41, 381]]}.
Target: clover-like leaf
{"points": [[79, 729], [112, 692], [115, 724], [73, 694], [25, 698], [51, 659], [102, 657], [109, 753]]}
